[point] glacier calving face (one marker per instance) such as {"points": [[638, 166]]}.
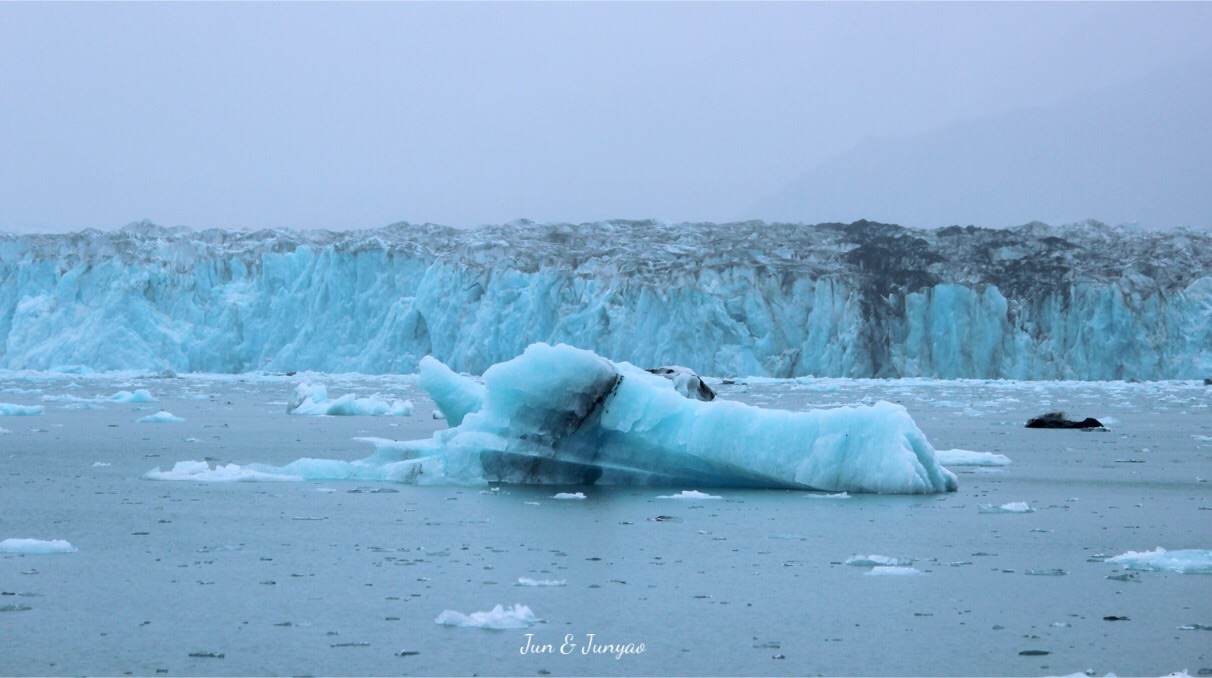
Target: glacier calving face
{"points": [[560, 415], [782, 300]]}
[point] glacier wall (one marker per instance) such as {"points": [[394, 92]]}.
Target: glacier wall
{"points": [[1084, 301]]}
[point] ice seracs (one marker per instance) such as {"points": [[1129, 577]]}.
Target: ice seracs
{"points": [[777, 300]]}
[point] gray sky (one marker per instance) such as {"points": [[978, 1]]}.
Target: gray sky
{"points": [[358, 115]]}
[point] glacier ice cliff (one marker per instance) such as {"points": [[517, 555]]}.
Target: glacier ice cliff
{"points": [[1085, 301], [564, 416]]}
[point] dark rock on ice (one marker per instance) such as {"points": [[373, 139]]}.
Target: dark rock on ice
{"points": [[686, 381], [1058, 420]]}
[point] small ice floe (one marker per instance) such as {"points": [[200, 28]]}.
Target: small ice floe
{"points": [[4, 430], [141, 395], [1053, 572], [1195, 627], [893, 570], [1183, 561], [516, 617], [313, 401], [1012, 507], [201, 471], [837, 495], [98, 464], [161, 417], [969, 458], [11, 410], [569, 496], [878, 561], [689, 494], [36, 546], [527, 581]]}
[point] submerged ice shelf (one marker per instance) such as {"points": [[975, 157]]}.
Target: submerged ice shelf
{"points": [[561, 415], [749, 299]]}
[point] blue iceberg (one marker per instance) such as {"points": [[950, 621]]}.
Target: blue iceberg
{"points": [[566, 416]]}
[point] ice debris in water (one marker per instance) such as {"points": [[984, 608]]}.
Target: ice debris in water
{"points": [[878, 561], [838, 495], [516, 617], [11, 410], [970, 458], [313, 400], [893, 570], [1183, 561], [1012, 507], [689, 494], [161, 417], [140, 395], [36, 546], [568, 495], [527, 581], [202, 471]]}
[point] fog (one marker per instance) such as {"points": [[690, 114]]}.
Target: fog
{"points": [[340, 116]]}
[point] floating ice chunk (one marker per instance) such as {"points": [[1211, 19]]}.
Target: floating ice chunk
{"points": [[893, 570], [141, 395], [161, 417], [516, 617], [1012, 507], [527, 581], [36, 546], [689, 494], [878, 561], [1183, 561], [563, 416], [557, 414], [98, 464], [313, 400], [838, 495], [1053, 572], [456, 396], [970, 458], [201, 471], [569, 495], [4, 430], [11, 410]]}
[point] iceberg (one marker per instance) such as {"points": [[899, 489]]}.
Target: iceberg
{"points": [[313, 400], [36, 546], [1086, 301], [161, 417], [959, 457], [1182, 561], [12, 410], [499, 617], [565, 416]]}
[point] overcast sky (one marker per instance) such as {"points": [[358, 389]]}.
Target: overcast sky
{"points": [[358, 115]]}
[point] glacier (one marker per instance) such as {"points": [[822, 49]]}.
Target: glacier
{"points": [[560, 415], [1083, 301]]}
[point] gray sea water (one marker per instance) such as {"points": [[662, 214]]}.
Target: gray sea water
{"points": [[347, 578]]}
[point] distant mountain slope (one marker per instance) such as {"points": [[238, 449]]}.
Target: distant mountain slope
{"points": [[1137, 152]]}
